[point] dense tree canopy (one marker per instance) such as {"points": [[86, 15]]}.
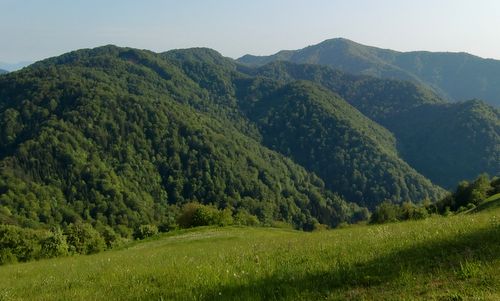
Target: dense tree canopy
{"points": [[443, 141], [124, 140], [112, 136]]}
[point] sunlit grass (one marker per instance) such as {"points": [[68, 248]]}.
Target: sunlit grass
{"points": [[454, 258]]}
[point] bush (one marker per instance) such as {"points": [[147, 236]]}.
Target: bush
{"points": [[84, 239], [54, 245], [205, 216], [6, 256], [145, 231], [185, 220], [385, 212], [195, 215], [410, 211], [111, 238], [19, 244], [243, 218]]}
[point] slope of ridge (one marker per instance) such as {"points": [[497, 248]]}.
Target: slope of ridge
{"points": [[455, 76], [446, 142], [110, 136], [352, 154], [450, 142], [376, 98], [248, 92], [3, 71]]}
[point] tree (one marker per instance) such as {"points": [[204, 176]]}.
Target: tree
{"points": [[84, 239], [385, 212]]}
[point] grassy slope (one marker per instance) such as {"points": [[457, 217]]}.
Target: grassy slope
{"points": [[455, 258], [490, 203]]}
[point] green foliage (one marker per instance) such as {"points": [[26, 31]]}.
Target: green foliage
{"points": [[444, 142], [121, 137], [195, 215], [18, 244], [54, 245], [244, 218], [354, 156], [386, 212], [145, 231], [468, 195], [82, 238]]}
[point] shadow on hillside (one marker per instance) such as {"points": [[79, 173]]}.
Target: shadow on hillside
{"points": [[447, 255]]}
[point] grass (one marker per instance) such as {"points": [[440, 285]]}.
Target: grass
{"points": [[454, 258], [490, 203]]}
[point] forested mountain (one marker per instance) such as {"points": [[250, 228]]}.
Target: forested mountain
{"points": [[353, 155], [455, 76], [445, 142], [123, 137], [450, 142], [3, 71], [107, 136], [322, 132]]}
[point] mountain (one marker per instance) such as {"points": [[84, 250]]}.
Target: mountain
{"points": [[3, 71], [123, 137], [455, 76], [352, 154], [446, 142], [111, 136]]}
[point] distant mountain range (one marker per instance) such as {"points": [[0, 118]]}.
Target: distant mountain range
{"points": [[454, 76], [3, 71], [123, 137], [14, 66]]}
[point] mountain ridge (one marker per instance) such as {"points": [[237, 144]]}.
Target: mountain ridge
{"points": [[454, 75]]}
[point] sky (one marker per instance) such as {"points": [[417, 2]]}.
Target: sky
{"points": [[31, 30]]}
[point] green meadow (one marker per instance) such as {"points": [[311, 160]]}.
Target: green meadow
{"points": [[439, 258]]}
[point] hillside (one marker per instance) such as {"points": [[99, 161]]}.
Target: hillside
{"points": [[450, 142], [455, 76], [322, 132], [3, 71], [454, 258], [444, 142], [353, 155], [110, 136]]}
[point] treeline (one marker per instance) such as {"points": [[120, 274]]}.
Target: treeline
{"points": [[467, 196], [19, 244], [23, 244], [117, 136]]}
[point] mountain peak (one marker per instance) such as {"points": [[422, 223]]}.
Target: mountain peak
{"points": [[454, 76]]}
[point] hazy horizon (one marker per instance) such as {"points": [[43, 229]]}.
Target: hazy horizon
{"points": [[33, 30]]}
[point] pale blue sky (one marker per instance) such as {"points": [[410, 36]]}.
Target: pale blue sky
{"points": [[36, 29]]}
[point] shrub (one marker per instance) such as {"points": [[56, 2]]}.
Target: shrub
{"points": [[111, 238], [84, 239], [54, 245], [384, 213], [19, 244], [186, 217], [195, 215], [410, 211], [6, 256], [145, 231], [243, 218]]}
